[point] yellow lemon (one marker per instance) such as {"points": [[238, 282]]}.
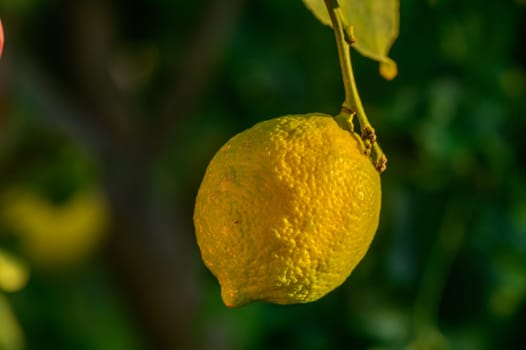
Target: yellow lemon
{"points": [[287, 209]]}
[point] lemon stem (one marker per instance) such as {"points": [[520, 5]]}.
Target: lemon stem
{"points": [[352, 105]]}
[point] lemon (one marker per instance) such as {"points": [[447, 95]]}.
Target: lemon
{"points": [[287, 209]]}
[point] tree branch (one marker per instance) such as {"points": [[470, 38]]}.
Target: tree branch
{"points": [[56, 107]]}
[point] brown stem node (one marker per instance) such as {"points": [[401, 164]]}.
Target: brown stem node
{"points": [[381, 164], [346, 110], [368, 133]]}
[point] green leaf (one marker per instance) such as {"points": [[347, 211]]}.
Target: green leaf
{"points": [[373, 24], [318, 9]]}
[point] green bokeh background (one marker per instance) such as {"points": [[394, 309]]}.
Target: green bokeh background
{"points": [[135, 98]]}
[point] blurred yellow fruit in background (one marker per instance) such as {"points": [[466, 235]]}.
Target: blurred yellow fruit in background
{"points": [[57, 235], [287, 209], [11, 336], [14, 273]]}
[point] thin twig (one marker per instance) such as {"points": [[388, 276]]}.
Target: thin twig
{"points": [[55, 105], [449, 240]]}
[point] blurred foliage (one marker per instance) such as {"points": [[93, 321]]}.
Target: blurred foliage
{"points": [[447, 269]]}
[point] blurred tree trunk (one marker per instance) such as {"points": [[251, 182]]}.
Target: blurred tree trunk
{"points": [[150, 252]]}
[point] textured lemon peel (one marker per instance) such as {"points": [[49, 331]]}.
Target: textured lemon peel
{"points": [[287, 209]]}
